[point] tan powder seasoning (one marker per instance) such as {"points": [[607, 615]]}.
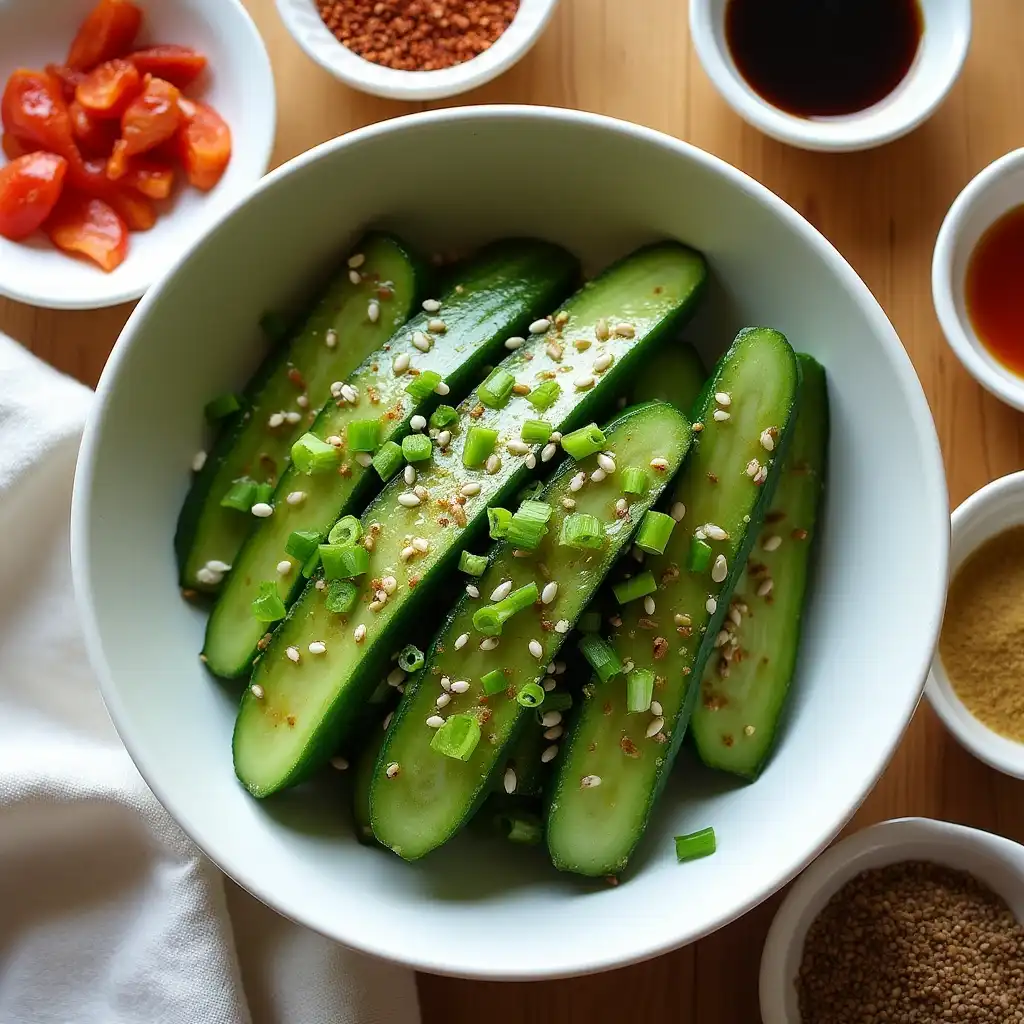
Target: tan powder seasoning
{"points": [[982, 639]]}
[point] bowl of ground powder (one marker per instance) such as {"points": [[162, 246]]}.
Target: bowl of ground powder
{"points": [[912, 920]]}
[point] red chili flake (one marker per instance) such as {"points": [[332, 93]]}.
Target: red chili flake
{"points": [[295, 376], [799, 534]]}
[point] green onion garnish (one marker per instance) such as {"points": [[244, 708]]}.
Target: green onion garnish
{"points": [[416, 447], [634, 480], [480, 443], [530, 696], [388, 460], [699, 556], [474, 565], [655, 530], [410, 659], [443, 416], [521, 827], [696, 844], [496, 389], [581, 530], [555, 702], [639, 690], [536, 431], [583, 442], [346, 530], [275, 326], [457, 738], [638, 586], [341, 596], [241, 494], [311, 455], [311, 563], [601, 656], [302, 543], [494, 682], [529, 525], [498, 520], [344, 561], [544, 395], [491, 617], [264, 492], [589, 622], [363, 435], [268, 607], [222, 406], [422, 386]]}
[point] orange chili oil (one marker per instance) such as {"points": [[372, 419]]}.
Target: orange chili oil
{"points": [[993, 290], [821, 58]]}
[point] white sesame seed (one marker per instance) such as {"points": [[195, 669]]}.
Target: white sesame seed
{"points": [[460, 686], [569, 503], [389, 584], [621, 505], [292, 417], [720, 569], [548, 684], [331, 338], [373, 311], [547, 453], [501, 591], [723, 398], [198, 461], [767, 441], [711, 606], [302, 402], [349, 393], [606, 462], [357, 260], [625, 330], [577, 482], [654, 727], [590, 781], [320, 584], [355, 277], [217, 566], [715, 532], [365, 459], [317, 647], [436, 326], [408, 500], [734, 616], [446, 684], [550, 718], [554, 732], [518, 447], [549, 593], [431, 305], [656, 708], [659, 463], [722, 638], [765, 588], [720, 416], [488, 643], [562, 626], [421, 341], [335, 440], [435, 721], [510, 781], [396, 676], [554, 351], [276, 419], [401, 363], [598, 475], [470, 490], [409, 476], [493, 464], [549, 754], [392, 770], [762, 475], [601, 329], [444, 439], [292, 654], [339, 763], [540, 326], [602, 362], [387, 720], [284, 567], [421, 544], [408, 552], [559, 668], [336, 389], [771, 542], [442, 388], [257, 691], [678, 511], [472, 590], [584, 383], [649, 604], [535, 649], [443, 700], [262, 510], [513, 343], [550, 669], [753, 468], [359, 633]]}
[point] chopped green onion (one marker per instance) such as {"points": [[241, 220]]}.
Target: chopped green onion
{"points": [[634, 480], [221, 407], [655, 530], [341, 596], [269, 607], [589, 622], [311, 455], [474, 565], [241, 494], [480, 443], [494, 682], [417, 447], [529, 525], [521, 827], [696, 844], [388, 460], [639, 690], [544, 395], [443, 416], [530, 491], [581, 530], [346, 530], [276, 326], [536, 431], [311, 563], [561, 701], [423, 385], [601, 656], [530, 696], [496, 389], [264, 492], [699, 557], [410, 659], [491, 617], [583, 442], [457, 738], [363, 435], [638, 586], [302, 543], [344, 561], [498, 520]]}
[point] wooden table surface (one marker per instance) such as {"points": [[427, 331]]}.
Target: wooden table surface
{"points": [[882, 210]]}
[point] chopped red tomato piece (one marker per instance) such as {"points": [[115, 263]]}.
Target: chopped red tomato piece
{"points": [[151, 178], [133, 208], [108, 89], [108, 32], [180, 65], [68, 78], [204, 145], [88, 227], [95, 137], [152, 117], [117, 165], [34, 111], [29, 189]]}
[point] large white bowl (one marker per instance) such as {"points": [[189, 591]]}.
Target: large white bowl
{"points": [[479, 909]]}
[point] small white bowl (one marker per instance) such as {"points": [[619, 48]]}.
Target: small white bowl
{"points": [[940, 56], [993, 860], [238, 83], [987, 196], [986, 513], [303, 20]]}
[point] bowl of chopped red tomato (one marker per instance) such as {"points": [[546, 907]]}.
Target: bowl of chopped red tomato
{"points": [[128, 127]]}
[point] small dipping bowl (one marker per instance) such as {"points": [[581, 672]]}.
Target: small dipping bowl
{"points": [[993, 860], [940, 56], [986, 513]]}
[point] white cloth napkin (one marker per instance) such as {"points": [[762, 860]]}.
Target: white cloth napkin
{"points": [[108, 913]]}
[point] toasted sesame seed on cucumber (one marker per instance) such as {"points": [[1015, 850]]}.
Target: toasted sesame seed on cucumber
{"points": [[300, 704], [290, 386], [745, 684], [666, 636], [498, 294], [432, 796]]}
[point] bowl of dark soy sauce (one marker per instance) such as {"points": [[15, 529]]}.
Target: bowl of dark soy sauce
{"points": [[832, 74]]}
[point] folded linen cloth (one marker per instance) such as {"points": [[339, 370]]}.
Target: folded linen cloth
{"points": [[108, 913]]}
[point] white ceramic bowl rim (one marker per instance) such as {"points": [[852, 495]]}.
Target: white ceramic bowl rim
{"points": [[643, 948]]}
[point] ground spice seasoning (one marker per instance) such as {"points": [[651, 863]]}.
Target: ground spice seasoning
{"points": [[417, 35], [913, 943]]}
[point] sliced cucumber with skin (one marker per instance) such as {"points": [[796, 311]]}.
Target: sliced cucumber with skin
{"points": [[306, 708], [675, 374], [593, 830], [429, 797], [500, 292], [742, 697], [295, 381]]}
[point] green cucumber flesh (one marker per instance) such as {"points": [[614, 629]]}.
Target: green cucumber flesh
{"points": [[742, 699], [306, 708], [675, 374], [594, 830], [300, 370], [432, 796], [500, 292]]}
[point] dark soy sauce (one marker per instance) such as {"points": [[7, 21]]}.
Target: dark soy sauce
{"points": [[819, 58]]}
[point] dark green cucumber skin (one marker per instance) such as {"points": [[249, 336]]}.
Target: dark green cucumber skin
{"points": [[675, 374], [266, 762], [755, 690], [402, 802], [201, 514], [504, 288], [566, 841]]}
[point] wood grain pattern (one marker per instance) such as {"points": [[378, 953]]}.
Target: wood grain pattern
{"points": [[882, 210]]}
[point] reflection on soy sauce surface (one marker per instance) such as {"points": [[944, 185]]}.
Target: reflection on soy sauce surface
{"points": [[818, 58]]}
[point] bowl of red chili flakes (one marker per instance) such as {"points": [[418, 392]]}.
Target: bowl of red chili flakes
{"points": [[128, 126]]}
